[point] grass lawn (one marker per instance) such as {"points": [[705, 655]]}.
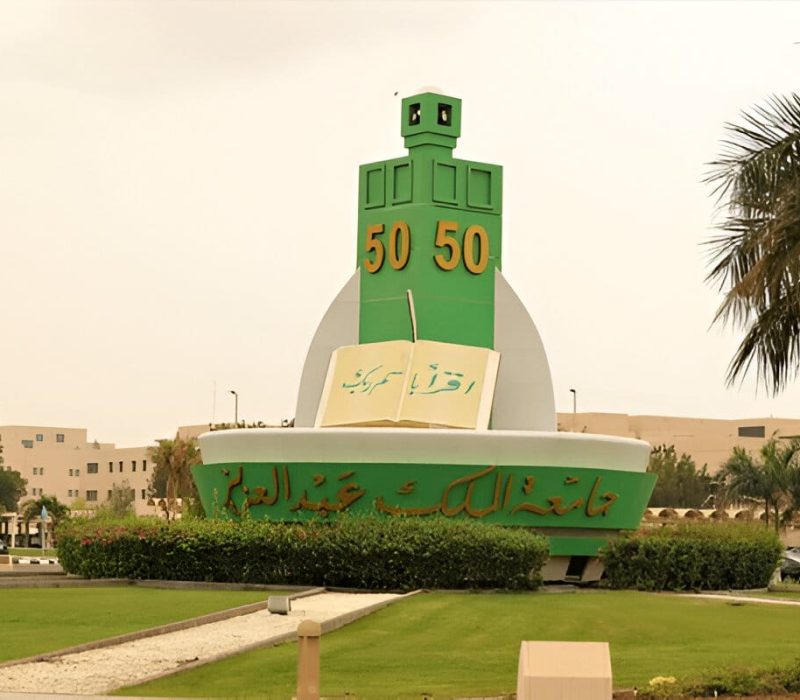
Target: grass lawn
{"points": [[32, 552], [35, 620], [451, 644]]}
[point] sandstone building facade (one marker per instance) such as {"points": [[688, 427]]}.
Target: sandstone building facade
{"points": [[708, 441], [62, 462]]}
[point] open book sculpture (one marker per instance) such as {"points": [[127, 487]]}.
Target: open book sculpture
{"points": [[408, 384]]}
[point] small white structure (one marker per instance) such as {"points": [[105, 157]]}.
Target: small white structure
{"points": [[564, 671]]}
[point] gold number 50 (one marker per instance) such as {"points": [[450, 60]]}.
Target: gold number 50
{"points": [[445, 239], [399, 246]]}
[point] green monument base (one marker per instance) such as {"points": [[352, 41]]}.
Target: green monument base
{"points": [[549, 491]]}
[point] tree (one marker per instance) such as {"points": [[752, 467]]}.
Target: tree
{"points": [[120, 502], [774, 479], [12, 488], [172, 475], [756, 262], [56, 510], [743, 479], [680, 483]]}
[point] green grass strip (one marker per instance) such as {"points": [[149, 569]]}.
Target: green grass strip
{"points": [[32, 552], [461, 644], [36, 620]]}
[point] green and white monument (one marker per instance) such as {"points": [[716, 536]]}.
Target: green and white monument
{"points": [[426, 390]]}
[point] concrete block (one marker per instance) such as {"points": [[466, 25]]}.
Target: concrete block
{"points": [[279, 604], [564, 671], [593, 571], [555, 569]]}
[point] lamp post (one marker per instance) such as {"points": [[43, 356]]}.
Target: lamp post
{"points": [[574, 407], [235, 407]]}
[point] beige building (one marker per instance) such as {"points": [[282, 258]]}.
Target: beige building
{"points": [[707, 440], [61, 462]]}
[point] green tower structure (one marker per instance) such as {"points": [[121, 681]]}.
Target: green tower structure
{"points": [[430, 223]]}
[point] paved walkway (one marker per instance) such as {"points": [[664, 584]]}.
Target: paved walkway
{"points": [[102, 670], [746, 598]]}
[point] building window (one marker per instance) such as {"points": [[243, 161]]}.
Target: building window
{"points": [[108, 498], [91, 468], [144, 495], [70, 471], [28, 444], [59, 437], [41, 471], [35, 471], [757, 431], [111, 466], [133, 465], [69, 493], [91, 495], [120, 465], [144, 465], [77, 472], [39, 437]]}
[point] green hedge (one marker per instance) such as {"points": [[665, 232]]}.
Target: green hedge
{"points": [[696, 556], [778, 680], [735, 682], [404, 553]]}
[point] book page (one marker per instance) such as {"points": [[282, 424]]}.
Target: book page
{"points": [[450, 385], [365, 384]]}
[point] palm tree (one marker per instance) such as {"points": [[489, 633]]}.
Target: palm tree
{"points": [[744, 480], [56, 511], [172, 476], [756, 262], [781, 468], [774, 479]]}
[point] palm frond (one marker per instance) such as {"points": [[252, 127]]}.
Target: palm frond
{"points": [[756, 262]]}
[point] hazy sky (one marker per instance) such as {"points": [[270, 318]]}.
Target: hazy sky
{"points": [[178, 185]]}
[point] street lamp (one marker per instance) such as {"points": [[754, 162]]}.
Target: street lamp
{"points": [[235, 407], [574, 407]]}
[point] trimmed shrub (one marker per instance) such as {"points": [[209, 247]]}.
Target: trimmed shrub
{"points": [[374, 553], [734, 682], [694, 556]]}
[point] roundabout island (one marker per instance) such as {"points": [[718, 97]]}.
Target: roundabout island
{"points": [[426, 391]]}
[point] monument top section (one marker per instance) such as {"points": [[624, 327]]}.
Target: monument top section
{"points": [[430, 119], [432, 224]]}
